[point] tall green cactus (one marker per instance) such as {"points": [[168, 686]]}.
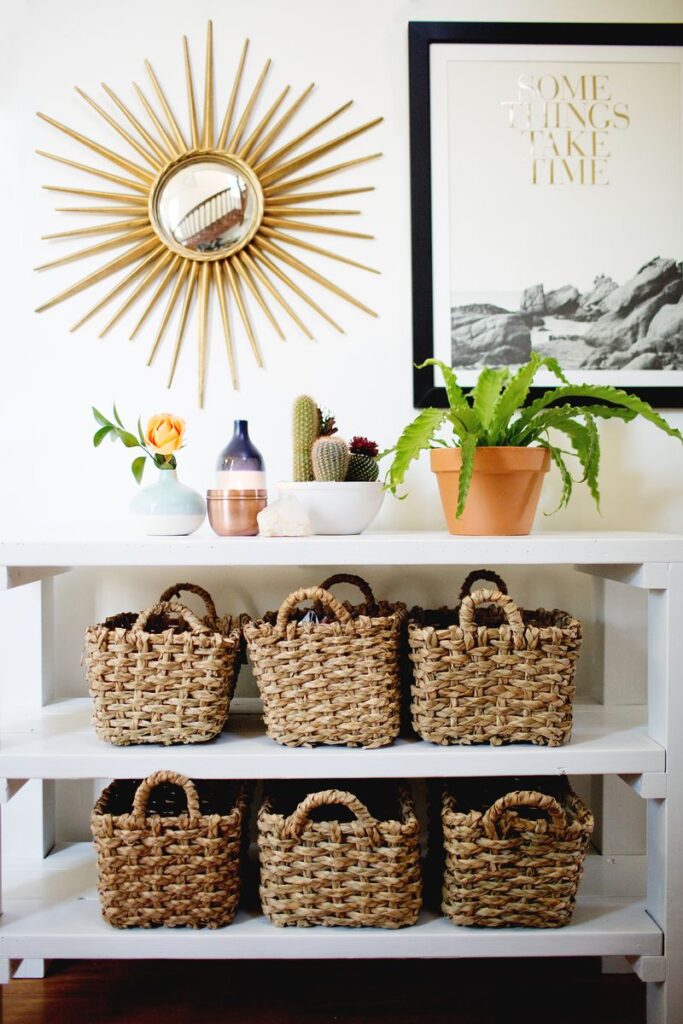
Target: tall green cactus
{"points": [[305, 430], [330, 457]]}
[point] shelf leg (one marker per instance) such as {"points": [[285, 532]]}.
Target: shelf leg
{"points": [[665, 817], [27, 645], [5, 971], [32, 968]]}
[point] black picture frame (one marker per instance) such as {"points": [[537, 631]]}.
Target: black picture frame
{"points": [[421, 36]]}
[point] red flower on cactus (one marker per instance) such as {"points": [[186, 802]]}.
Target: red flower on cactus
{"points": [[362, 446]]}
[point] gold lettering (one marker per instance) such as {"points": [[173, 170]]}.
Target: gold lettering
{"points": [[620, 112], [567, 121], [599, 124]]}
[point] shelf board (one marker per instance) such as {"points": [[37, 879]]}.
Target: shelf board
{"points": [[368, 549], [52, 911], [59, 743]]}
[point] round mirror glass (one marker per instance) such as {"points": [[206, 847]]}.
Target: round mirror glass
{"points": [[207, 206]]}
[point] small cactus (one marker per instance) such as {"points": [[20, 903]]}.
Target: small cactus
{"points": [[362, 467], [330, 457], [305, 429], [362, 460]]}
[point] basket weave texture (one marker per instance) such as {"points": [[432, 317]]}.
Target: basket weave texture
{"points": [[365, 872], [177, 868], [163, 676], [504, 868], [493, 675], [334, 682]]}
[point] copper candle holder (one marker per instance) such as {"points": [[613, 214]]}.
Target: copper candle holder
{"points": [[233, 513]]}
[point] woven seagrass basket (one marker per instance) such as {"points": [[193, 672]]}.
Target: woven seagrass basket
{"points": [[168, 851], [335, 681], [360, 872], [515, 860], [496, 675], [163, 676]]}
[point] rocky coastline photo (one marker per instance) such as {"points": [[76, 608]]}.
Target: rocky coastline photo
{"points": [[635, 325]]}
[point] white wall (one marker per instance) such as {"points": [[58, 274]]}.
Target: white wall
{"points": [[49, 378]]}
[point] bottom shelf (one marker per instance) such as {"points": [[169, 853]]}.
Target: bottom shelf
{"points": [[51, 911]]}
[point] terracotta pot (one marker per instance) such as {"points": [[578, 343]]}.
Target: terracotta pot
{"points": [[504, 492]]}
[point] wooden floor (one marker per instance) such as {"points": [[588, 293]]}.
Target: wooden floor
{"points": [[339, 992]]}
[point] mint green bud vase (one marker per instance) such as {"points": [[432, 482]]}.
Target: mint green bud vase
{"points": [[168, 508]]}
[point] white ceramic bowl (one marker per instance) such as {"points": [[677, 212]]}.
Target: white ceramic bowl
{"points": [[337, 508]]}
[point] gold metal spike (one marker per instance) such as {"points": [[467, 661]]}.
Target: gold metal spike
{"points": [[267, 232], [279, 154], [118, 197], [207, 128], [154, 118], [233, 241], [133, 143], [92, 250], [120, 211], [284, 170], [219, 285], [245, 256], [242, 123], [194, 126], [295, 225], [297, 291], [170, 306], [108, 154], [256, 292], [138, 290], [230, 109], [175, 130], [283, 186], [280, 125], [187, 301], [204, 280], [132, 119], [234, 286], [309, 197], [262, 125], [296, 264], [136, 253], [126, 182], [308, 211], [158, 292], [99, 229], [121, 286]]}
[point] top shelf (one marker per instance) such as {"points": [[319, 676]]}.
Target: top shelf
{"points": [[395, 548]]}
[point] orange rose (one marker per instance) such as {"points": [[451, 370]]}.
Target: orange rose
{"points": [[165, 433]]}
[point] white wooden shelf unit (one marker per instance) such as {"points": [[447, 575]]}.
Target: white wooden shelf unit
{"points": [[50, 907]]}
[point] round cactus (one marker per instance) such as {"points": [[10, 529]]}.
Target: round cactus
{"points": [[362, 467], [330, 458], [305, 429], [363, 460]]}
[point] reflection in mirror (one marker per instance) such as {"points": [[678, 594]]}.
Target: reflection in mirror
{"points": [[206, 206]]}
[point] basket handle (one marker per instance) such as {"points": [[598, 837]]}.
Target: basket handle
{"points": [[297, 820], [316, 594], [482, 574], [144, 791], [470, 603], [525, 798], [356, 581], [195, 624], [192, 588]]}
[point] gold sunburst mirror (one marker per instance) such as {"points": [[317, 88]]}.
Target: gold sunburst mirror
{"points": [[209, 213]]}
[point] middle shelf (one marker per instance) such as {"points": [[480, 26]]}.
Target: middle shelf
{"points": [[58, 742]]}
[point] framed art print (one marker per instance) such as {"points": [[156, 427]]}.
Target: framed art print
{"points": [[547, 202]]}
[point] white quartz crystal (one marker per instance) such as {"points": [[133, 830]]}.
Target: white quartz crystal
{"points": [[284, 518]]}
